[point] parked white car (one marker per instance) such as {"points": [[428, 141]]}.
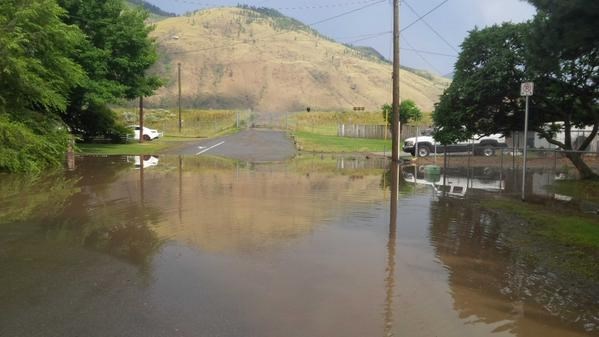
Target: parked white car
{"points": [[148, 134], [425, 145]]}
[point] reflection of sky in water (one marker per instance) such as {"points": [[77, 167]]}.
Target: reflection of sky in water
{"points": [[203, 247]]}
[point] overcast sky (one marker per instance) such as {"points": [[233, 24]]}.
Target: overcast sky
{"points": [[452, 21]]}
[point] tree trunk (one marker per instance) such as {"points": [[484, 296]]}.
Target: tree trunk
{"points": [[583, 169]]}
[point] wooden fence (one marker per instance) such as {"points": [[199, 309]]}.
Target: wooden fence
{"points": [[375, 131], [363, 131]]}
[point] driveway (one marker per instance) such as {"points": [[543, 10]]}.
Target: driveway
{"points": [[254, 145]]}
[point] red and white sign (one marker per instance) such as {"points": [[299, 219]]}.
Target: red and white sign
{"points": [[527, 89]]}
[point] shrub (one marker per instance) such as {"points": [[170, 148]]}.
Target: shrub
{"points": [[24, 150]]}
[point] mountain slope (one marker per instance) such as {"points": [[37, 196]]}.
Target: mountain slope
{"points": [[243, 58], [155, 11]]}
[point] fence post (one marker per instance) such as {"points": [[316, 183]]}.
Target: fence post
{"points": [[416, 145]]}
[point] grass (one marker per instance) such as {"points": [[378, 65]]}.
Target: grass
{"points": [[196, 122], [308, 141], [152, 147], [567, 241], [325, 122], [578, 189], [563, 227]]}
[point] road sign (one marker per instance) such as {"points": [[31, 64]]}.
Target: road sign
{"points": [[527, 89]]}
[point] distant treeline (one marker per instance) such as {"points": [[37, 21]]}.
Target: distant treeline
{"points": [[152, 8]]}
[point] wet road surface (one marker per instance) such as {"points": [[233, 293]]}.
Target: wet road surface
{"points": [[198, 246], [254, 145]]}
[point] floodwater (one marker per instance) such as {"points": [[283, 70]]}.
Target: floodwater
{"points": [[171, 246]]}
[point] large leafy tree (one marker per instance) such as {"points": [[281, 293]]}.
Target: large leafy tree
{"points": [[36, 71], [116, 56], [484, 96], [36, 76]]}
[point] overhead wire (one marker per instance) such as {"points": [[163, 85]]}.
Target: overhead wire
{"points": [[431, 27], [423, 16], [420, 55]]}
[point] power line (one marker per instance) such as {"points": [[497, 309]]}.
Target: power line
{"points": [[430, 27], [347, 13], [357, 36], [370, 37], [420, 55], [423, 16], [429, 52]]}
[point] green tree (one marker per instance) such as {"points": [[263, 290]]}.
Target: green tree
{"points": [[116, 56], [408, 112], [36, 77], [484, 96], [36, 72]]}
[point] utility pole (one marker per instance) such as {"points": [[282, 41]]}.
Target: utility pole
{"points": [[527, 90], [179, 76], [395, 127], [141, 119]]}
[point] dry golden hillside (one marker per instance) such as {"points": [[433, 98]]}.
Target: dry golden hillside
{"points": [[240, 58]]}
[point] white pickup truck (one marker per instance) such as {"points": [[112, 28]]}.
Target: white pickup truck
{"points": [[479, 145]]}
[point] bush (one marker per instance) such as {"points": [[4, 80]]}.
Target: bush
{"points": [[24, 150]]}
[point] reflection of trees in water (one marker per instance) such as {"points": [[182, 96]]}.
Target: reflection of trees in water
{"points": [[69, 208], [25, 197], [495, 281]]}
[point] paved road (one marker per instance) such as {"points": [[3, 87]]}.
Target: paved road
{"points": [[255, 145]]}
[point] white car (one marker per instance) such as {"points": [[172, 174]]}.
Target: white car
{"points": [[148, 134], [425, 145]]}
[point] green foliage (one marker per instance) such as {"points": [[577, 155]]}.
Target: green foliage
{"points": [[116, 56], [67, 62], [572, 29], [24, 150], [408, 112], [36, 72], [569, 229], [484, 97]]}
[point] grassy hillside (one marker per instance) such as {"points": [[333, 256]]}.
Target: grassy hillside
{"points": [[261, 60]]}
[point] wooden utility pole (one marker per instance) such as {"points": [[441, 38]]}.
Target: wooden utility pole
{"points": [[395, 120], [179, 76], [141, 119]]}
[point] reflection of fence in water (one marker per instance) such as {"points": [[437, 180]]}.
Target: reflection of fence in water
{"points": [[350, 163]]}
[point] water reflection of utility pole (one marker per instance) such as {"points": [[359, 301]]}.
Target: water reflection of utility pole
{"points": [[141, 180], [445, 158], [180, 190], [390, 270]]}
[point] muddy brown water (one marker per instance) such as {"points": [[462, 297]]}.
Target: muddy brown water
{"points": [[183, 246]]}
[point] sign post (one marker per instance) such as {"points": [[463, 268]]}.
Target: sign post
{"points": [[526, 90]]}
